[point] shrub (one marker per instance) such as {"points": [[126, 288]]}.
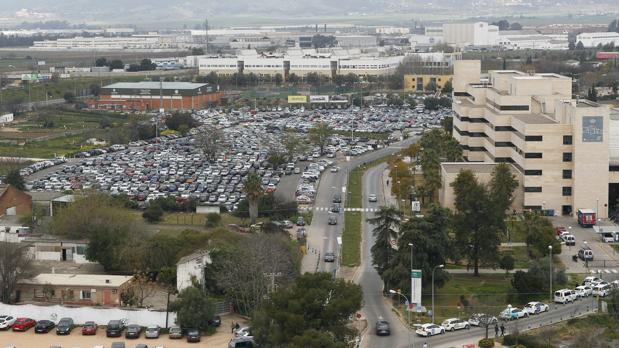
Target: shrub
{"points": [[213, 219], [153, 213], [486, 343]]}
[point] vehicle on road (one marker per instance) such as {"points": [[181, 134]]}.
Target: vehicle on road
{"points": [[114, 328], [335, 208], [332, 220], [586, 217], [480, 319], [193, 335], [583, 291], [44, 326], [382, 328], [6, 321], [337, 198], [453, 324], [23, 324], [602, 290], [568, 239], [565, 296], [64, 327], [334, 169], [175, 332], [591, 280], [372, 198], [585, 253], [513, 313], [533, 308], [329, 256], [297, 170], [152, 332], [428, 330], [89, 328], [300, 221]]}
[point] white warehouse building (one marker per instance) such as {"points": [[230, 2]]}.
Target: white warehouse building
{"points": [[529, 39], [599, 38]]}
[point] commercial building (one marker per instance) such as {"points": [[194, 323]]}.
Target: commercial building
{"points": [[421, 83], [598, 38], [559, 147], [105, 43], [75, 289], [143, 96], [530, 39], [470, 34]]}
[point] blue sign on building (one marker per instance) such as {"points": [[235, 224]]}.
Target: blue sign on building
{"points": [[592, 129]]}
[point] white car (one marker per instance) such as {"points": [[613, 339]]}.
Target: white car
{"points": [[601, 290], [453, 324], [6, 321], [512, 313], [372, 197], [533, 308], [428, 330], [583, 291], [334, 169], [591, 279]]}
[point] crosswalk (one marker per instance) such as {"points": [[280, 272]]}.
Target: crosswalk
{"points": [[366, 210], [603, 270]]}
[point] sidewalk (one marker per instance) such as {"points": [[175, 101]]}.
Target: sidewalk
{"points": [[387, 197]]}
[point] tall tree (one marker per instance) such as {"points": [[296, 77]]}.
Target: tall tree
{"points": [[501, 190], [15, 179], [387, 226], [292, 144], [253, 189], [319, 135], [193, 308], [316, 303], [476, 231], [15, 265], [211, 141], [539, 234]]}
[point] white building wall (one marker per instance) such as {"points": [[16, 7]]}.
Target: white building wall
{"points": [[191, 269], [599, 38]]}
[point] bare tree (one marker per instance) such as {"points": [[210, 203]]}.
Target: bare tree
{"points": [[140, 289], [258, 264], [15, 265], [319, 135], [211, 141]]}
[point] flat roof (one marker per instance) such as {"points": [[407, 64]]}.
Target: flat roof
{"points": [[156, 85], [94, 280], [534, 119]]}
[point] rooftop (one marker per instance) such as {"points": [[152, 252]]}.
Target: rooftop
{"points": [[88, 280], [196, 255], [156, 85], [534, 119]]}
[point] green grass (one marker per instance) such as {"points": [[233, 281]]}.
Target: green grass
{"points": [[520, 255], [44, 149], [194, 219]]}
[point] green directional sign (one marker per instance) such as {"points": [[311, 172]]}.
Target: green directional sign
{"points": [[416, 286], [416, 274]]}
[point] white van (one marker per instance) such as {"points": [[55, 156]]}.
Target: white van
{"points": [[585, 253], [601, 290], [569, 239], [565, 296]]}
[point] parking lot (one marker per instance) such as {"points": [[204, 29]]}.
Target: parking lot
{"points": [[176, 166]]}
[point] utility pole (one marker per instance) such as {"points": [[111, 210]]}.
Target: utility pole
{"points": [[205, 35], [160, 106]]}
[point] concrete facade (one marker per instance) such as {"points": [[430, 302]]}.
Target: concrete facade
{"points": [[419, 83], [190, 268], [470, 34], [559, 146]]}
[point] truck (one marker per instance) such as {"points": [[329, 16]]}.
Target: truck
{"points": [[586, 217]]}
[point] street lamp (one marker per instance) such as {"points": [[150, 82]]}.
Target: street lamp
{"points": [[411, 245], [408, 314], [550, 277], [434, 269]]}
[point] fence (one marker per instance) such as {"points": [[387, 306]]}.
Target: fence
{"points": [[101, 316]]}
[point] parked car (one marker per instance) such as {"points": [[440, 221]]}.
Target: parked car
{"points": [[242, 342], [6, 321], [583, 291], [382, 328], [44, 326], [300, 221], [114, 328], [533, 308], [455, 324], [193, 335], [216, 321], [23, 324], [133, 331], [602, 290], [89, 328], [65, 325], [118, 345], [480, 319], [590, 280], [287, 224], [565, 296], [512, 313], [428, 330], [152, 332], [568, 239], [372, 198], [175, 332], [329, 256]]}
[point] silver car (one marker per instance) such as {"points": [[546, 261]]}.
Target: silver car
{"points": [[152, 332]]}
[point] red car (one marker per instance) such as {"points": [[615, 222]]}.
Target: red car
{"points": [[89, 328], [23, 324]]}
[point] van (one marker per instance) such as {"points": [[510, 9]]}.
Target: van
{"points": [[569, 239], [564, 296], [601, 290], [585, 253]]}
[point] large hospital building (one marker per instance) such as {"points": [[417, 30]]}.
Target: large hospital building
{"points": [[564, 151]]}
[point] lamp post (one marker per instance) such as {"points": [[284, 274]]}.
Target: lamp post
{"points": [[597, 213], [408, 315], [550, 277], [411, 245], [434, 269]]}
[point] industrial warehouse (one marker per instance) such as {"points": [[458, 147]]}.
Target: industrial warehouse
{"points": [[144, 96]]}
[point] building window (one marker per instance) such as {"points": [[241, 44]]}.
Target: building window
{"points": [[567, 140], [533, 189], [567, 191], [567, 157], [85, 295], [533, 138], [533, 155], [567, 173], [533, 172]]}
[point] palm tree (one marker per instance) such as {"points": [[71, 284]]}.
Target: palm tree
{"points": [[253, 189], [387, 222]]}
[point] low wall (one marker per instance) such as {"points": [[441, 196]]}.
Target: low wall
{"points": [[101, 316]]}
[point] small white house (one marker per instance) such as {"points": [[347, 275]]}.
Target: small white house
{"points": [[7, 118], [191, 267]]}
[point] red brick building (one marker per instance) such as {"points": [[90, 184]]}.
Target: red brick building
{"points": [[14, 201], [144, 96]]}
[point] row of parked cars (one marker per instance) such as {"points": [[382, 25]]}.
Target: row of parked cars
{"points": [[591, 286]]}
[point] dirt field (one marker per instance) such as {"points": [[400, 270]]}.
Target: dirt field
{"points": [[75, 340]]}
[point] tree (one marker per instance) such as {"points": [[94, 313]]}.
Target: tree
{"points": [[193, 308], [15, 265], [477, 234], [501, 190], [146, 65], [614, 26], [592, 94], [431, 103], [319, 135], [447, 87], [507, 263], [294, 79], [177, 119], [153, 213], [15, 179], [140, 289], [117, 64], [101, 62], [211, 78], [276, 158], [211, 141], [515, 26], [387, 226], [571, 46], [69, 97], [315, 308], [539, 234], [94, 89], [535, 281], [253, 189], [278, 79], [580, 46], [313, 79], [502, 24], [293, 145]]}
